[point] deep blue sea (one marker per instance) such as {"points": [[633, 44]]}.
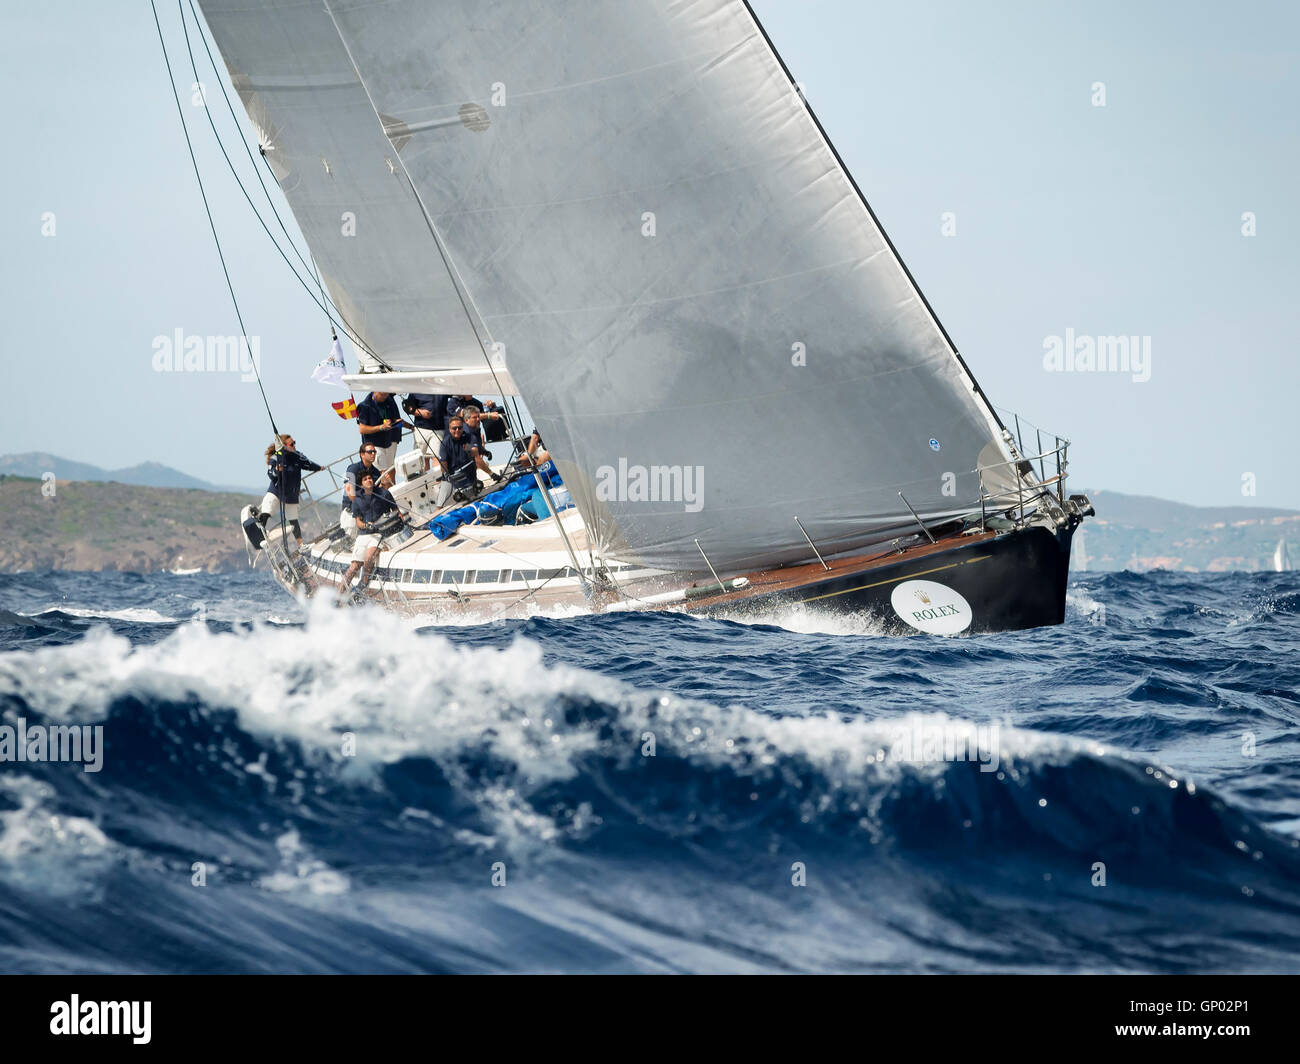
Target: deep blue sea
{"points": [[284, 790]]}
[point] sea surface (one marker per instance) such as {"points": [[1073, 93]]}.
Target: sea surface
{"points": [[284, 789]]}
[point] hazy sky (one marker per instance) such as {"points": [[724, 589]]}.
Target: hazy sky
{"points": [[1123, 219]]}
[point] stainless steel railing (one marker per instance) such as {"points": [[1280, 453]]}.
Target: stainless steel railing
{"points": [[1028, 493]]}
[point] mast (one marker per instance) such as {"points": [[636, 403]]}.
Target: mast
{"points": [[475, 322]]}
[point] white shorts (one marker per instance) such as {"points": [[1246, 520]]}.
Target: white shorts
{"points": [[386, 458], [426, 441], [271, 505], [362, 546], [348, 523]]}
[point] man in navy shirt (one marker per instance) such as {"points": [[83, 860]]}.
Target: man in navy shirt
{"points": [[474, 427], [429, 416], [381, 423], [456, 404], [370, 505], [493, 422], [439, 409], [352, 485], [461, 460]]}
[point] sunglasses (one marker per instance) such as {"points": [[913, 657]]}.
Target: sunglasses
{"points": [[368, 450]]}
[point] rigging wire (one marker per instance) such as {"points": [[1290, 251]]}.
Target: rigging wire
{"points": [[348, 327], [351, 333], [243, 330], [324, 303], [221, 82], [321, 285], [207, 208], [473, 317]]}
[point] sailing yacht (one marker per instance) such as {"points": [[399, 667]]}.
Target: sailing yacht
{"points": [[1281, 558], [625, 214]]}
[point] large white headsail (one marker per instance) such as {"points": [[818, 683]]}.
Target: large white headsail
{"points": [[340, 175], [704, 317]]}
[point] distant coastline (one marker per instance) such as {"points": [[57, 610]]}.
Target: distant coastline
{"points": [[145, 474], [93, 526], [1142, 533]]}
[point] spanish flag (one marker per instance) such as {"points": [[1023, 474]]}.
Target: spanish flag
{"points": [[346, 409]]}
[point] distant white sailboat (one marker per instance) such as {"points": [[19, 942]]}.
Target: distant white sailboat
{"points": [[1281, 559]]}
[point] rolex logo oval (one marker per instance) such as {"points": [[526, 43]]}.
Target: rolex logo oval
{"points": [[930, 607]]}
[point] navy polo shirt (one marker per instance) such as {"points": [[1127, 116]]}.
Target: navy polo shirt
{"points": [[353, 476], [370, 411], [458, 457], [370, 508], [429, 403], [475, 436]]}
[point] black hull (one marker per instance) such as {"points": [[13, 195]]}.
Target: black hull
{"points": [[1014, 581]]}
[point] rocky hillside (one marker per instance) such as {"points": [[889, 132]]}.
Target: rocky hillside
{"points": [[1138, 532], [96, 526]]}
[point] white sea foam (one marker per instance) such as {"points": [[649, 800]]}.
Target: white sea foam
{"points": [[59, 856], [135, 614], [421, 695], [1079, 600], [301, 873], [803, 619]]}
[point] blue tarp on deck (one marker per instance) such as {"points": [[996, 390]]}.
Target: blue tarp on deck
{"points": [[502, 507]]}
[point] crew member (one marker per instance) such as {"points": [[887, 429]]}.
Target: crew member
{"points": [[461, 461], [428, 417], [284, 466], [494, 426], [535, 454], [352, 485], [371, 504], [381, 423], [456, 404], [474, 428]]}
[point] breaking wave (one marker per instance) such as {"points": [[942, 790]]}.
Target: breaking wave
{"points": [[343, 791]]}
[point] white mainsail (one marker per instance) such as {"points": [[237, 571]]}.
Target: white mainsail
{"points": [[685, 280], [708, 324], [339, 174], [1281, 559]]}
